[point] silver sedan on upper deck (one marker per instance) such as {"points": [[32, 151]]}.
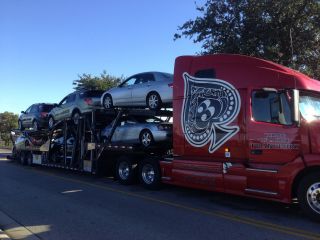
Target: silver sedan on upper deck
{"points": [[150, 89]]}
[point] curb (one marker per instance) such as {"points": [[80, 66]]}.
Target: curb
{"points": [[12, 228]]}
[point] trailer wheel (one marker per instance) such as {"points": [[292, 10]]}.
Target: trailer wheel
{"points": [[149, 174], [14, 154], [23, 158], [125, 170], [309, 195], [29, 158]]}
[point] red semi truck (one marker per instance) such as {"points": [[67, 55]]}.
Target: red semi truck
{"points": [[241, 125], [246, 126]]}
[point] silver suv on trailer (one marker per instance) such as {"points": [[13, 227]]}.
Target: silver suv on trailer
{"points": [[75, 104]]}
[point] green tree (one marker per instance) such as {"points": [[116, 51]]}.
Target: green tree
{"points": [[8, 121], [102, 82], [261, 28]]}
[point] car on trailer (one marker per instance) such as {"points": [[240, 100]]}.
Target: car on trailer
{"points": [[149, 89], [74, 105], [144, 130], [35, 117]]}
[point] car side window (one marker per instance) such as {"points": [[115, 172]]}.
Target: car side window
{"points": [[28, 110], [129, 82], [34, 109], [71, 98], [148, 77], [63, 101], [271, 107]]}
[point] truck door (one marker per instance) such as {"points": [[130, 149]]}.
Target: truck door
{"points": [[272, 137]]}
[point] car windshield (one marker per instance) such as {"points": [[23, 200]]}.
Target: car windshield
{"points": [[90, 94], [46, 107], [149, 120], [166, 75], [310, 107]]}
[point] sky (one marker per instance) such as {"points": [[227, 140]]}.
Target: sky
{"points": [[44, 45]]}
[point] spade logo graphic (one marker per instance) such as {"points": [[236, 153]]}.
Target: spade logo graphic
{"points": [[209, 106]]}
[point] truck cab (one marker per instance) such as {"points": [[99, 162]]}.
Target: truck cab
{"points": [[245, 126]]}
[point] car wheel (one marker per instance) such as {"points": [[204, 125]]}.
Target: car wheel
{"points": [[51, 122], [75, 117], [20, 125], [146, 138], [309, 195], [153, 101], [35, 125], [107, 101], [125, 170], [149, 174]]}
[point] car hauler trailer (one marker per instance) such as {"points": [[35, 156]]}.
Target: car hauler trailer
{"points": [[241, 125]]}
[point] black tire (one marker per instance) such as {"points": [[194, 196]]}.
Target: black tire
{"points": [[14, 155], [22, 156], [51, 122], [20, 125], [309, 195], [126, 170], [35, 125], [154, 101], [75, 117], [107, 102], [146, 138], [29, 159], [150, 174]]}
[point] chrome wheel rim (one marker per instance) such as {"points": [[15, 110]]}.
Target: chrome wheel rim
{"points": [[313, 197], [148, 174], [153, 101], [124, 170], [107, 102], [146, 139], [51, 122]]}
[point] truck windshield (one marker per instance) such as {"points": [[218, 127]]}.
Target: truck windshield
{"points": [[310, 107]]}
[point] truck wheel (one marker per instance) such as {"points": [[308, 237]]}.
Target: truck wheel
{"points": [[23, 158], [29, 159], [125, 170], [309, 195], [149, 174]]}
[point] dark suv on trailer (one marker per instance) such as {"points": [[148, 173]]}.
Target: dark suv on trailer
{"points": [[36, 116]]}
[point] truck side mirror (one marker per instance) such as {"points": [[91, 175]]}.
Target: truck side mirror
{"points": [[295, 108]]}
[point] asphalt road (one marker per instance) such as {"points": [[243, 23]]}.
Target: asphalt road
{"points": [[57, 204]]}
